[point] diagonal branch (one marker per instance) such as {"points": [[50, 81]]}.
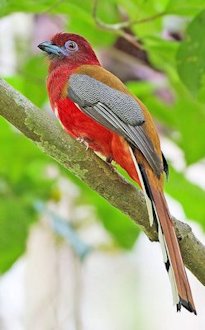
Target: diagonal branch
{"points": [[100, 176]]}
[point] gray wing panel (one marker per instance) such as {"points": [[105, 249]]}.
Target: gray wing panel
{"points": [[90, 91], [96, 105]]}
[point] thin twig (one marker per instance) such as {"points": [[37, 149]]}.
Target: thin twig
{"points": [[122, 25], [129, 37]]}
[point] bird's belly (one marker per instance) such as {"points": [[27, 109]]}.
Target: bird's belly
{"points": [[97, 137], [80, 126]]}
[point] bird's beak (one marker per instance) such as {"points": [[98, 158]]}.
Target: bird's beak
{"points": [[50, 48]]}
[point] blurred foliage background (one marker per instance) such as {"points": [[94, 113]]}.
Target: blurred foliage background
{"points": [[163, 65], [165, 68]]}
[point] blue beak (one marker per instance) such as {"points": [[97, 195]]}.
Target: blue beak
{"points": [[50, 48]]}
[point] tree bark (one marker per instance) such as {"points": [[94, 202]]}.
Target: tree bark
{"points": [[42, 129]]}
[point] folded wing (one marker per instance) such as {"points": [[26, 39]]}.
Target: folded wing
{"points": [[116, 111]]}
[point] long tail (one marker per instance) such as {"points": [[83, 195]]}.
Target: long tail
{"points": [[159, 213]]}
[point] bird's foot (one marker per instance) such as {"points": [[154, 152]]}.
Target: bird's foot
{"points": [[82, 140], [109, 159]]}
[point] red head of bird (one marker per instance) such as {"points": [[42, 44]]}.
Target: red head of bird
{"points": [[68, 49]]}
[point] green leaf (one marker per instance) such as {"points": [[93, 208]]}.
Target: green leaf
{"points": [[161, 52], [147, 93], [191, 55], [15, 219], [77, 15], [26, 153], [184, 7], [81, 20], [32, 80], [34, 73], [189, 123], [121, 228], [188, 194], [23, 181], [141, 9]]}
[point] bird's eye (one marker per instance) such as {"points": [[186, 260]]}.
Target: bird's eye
{"points": [[71, 45]]}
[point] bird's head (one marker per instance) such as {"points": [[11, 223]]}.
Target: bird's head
{"points": [[70, 49]]}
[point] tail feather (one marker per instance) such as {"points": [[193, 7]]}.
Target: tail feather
{"points": [[158, 212], [175, 268]]}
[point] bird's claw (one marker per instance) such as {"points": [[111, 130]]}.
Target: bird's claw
{"points": [[82, 140]]}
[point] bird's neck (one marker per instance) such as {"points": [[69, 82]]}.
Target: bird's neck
{"points": [[72, 63], [58, 80]]}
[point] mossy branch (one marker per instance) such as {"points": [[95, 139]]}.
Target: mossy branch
{"points": [[42, 129]]}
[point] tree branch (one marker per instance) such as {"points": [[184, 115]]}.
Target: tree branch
{"points": [[100, 176]]}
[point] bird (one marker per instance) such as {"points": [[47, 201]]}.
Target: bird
{"points": [[96, 108]]}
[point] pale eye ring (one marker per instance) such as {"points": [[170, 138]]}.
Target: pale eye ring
{"points": [[71, 45]]}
